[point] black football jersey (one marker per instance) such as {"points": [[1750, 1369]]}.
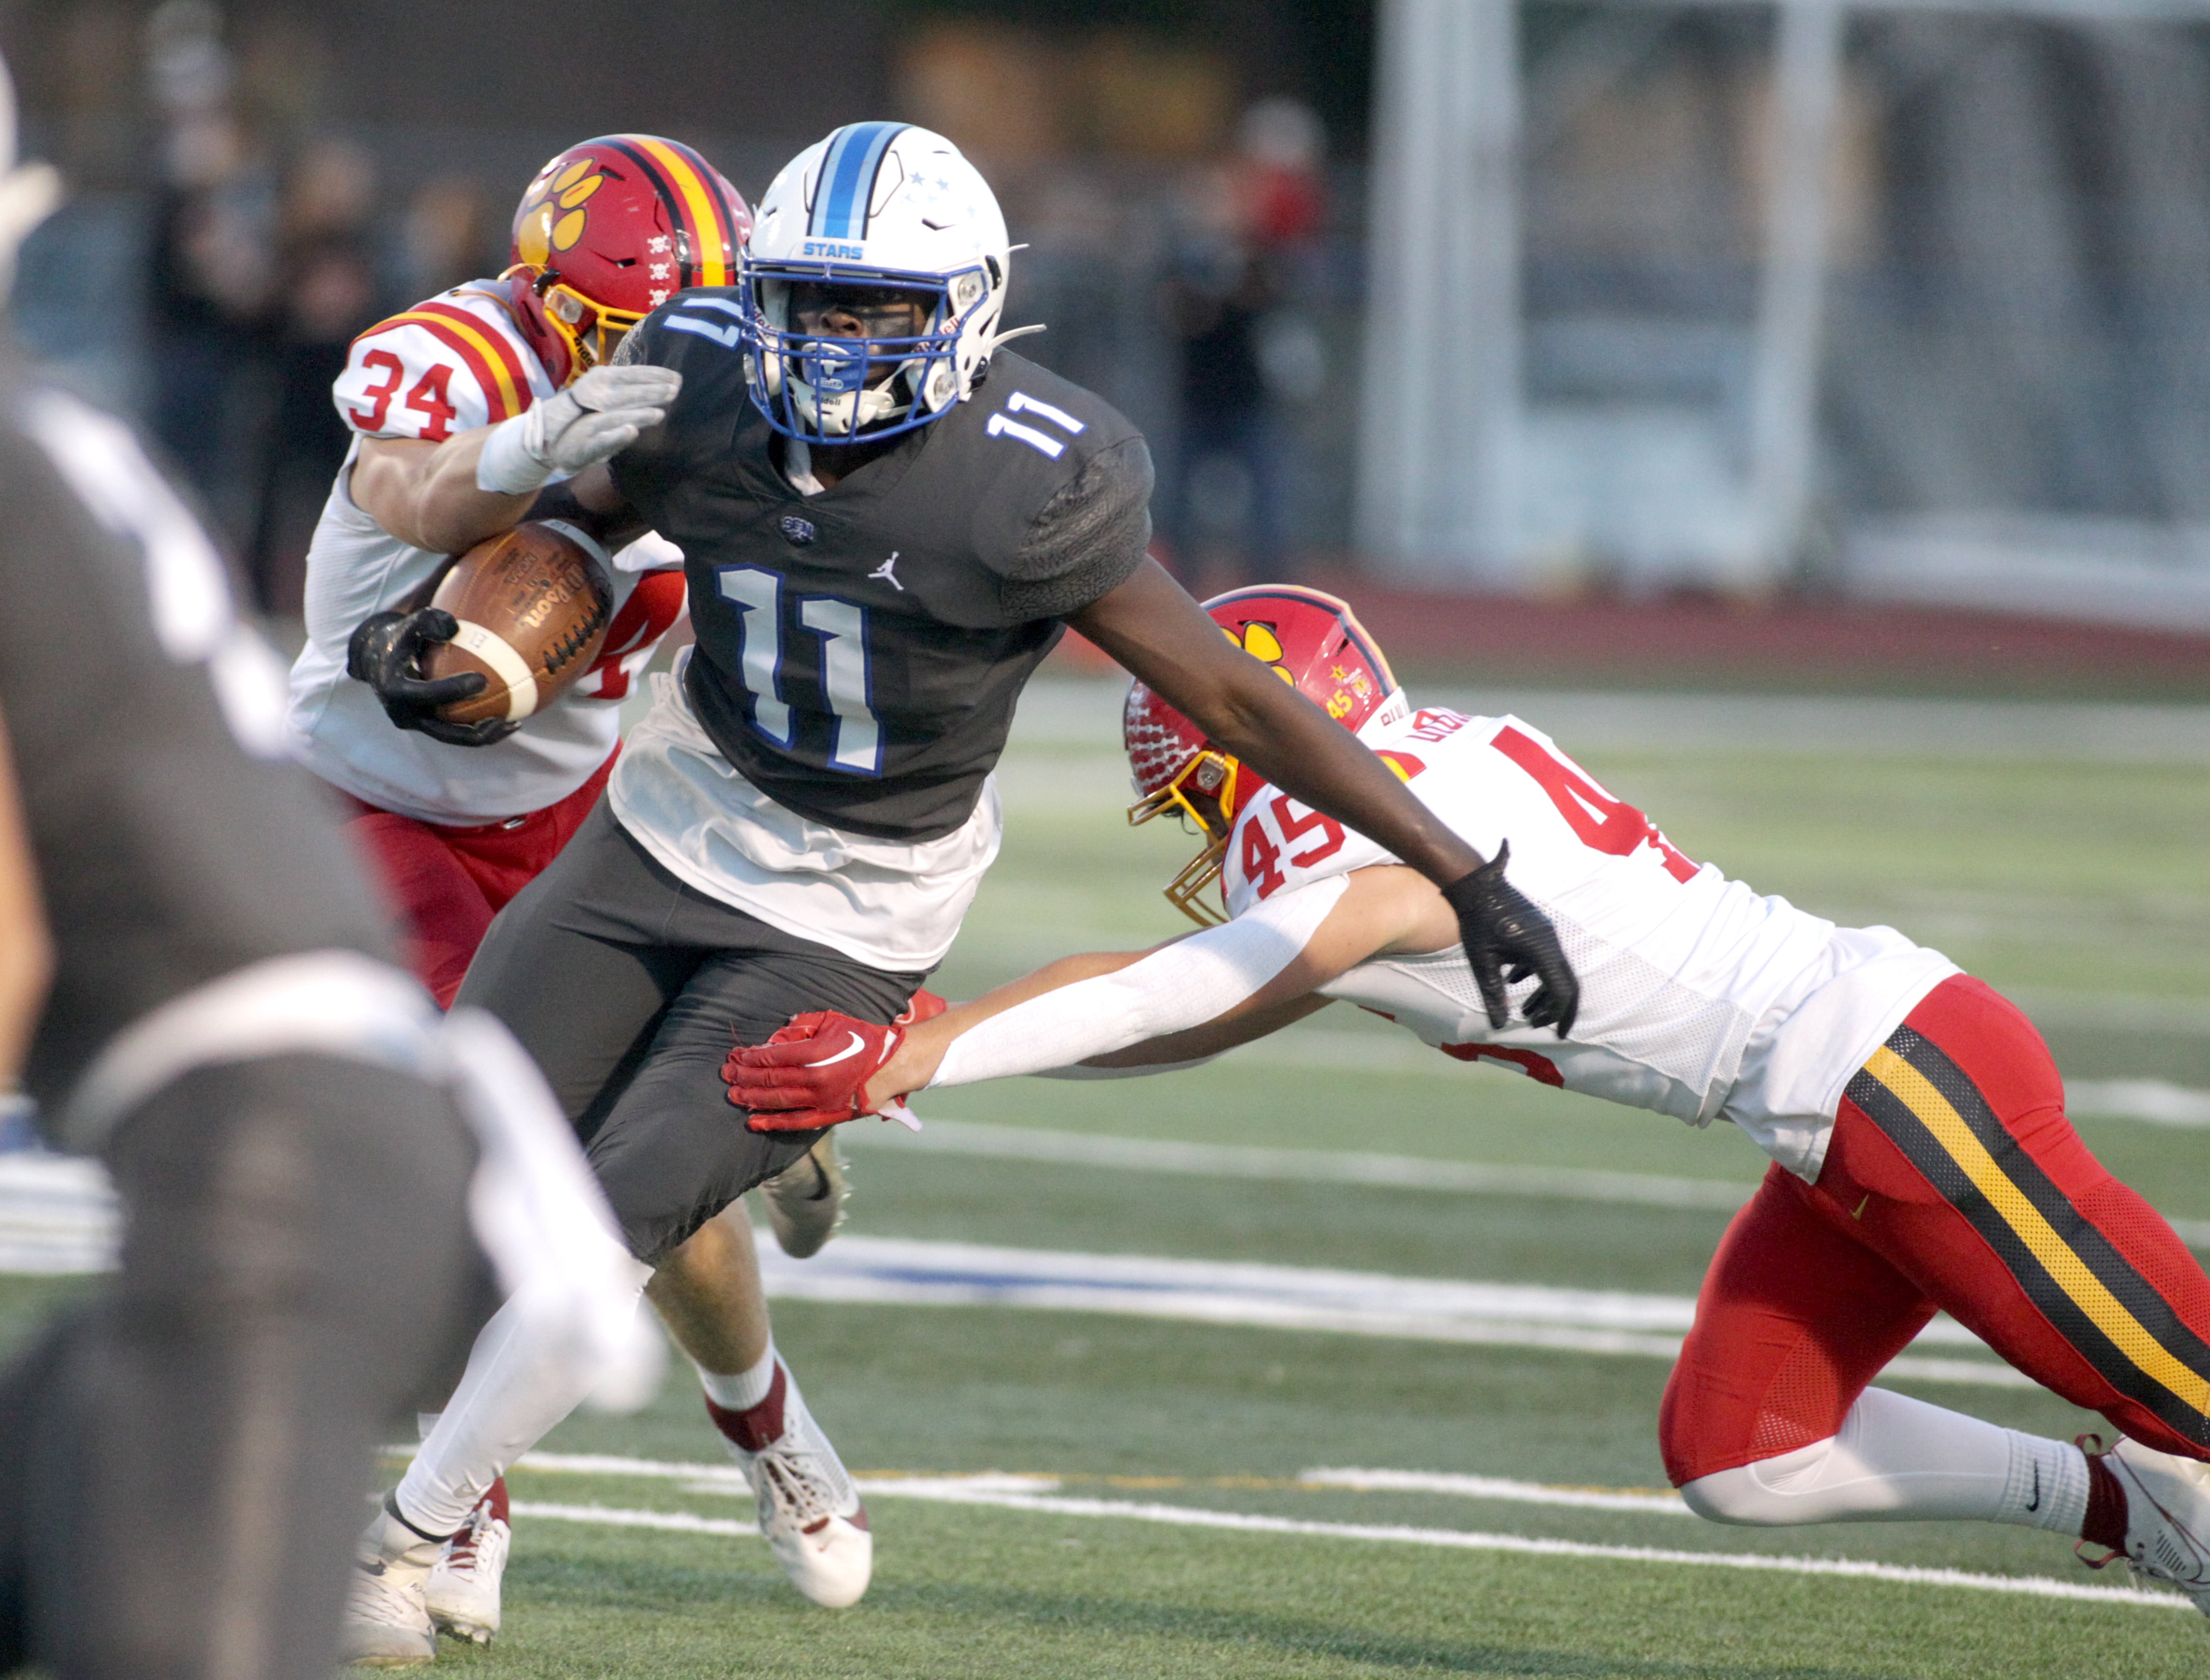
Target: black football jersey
{"points": [[168, 853], [859, 651]]}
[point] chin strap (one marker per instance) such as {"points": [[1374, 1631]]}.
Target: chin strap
{"points": [[903, 372]]}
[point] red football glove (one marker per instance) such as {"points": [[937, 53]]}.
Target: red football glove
{"points": [[814, 1073]]}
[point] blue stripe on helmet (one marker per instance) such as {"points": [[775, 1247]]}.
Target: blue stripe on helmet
{"points": [[848, 178]]}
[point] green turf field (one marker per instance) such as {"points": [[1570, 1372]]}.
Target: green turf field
{"points": [[2080, 884]]}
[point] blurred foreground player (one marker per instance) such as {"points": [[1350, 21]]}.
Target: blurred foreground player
{"points": [[297, 1135], [1922, 1159], [887, 521], [463, 408]]}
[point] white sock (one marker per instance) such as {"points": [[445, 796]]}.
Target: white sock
{"points": [[1898, 1460], [747, 1389], [2048, 1485], [423, 1423], [524, 1376]]}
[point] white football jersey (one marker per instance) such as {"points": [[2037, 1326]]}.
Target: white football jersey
{"points": [[1699, 999], [452, 363], [892, 904]]}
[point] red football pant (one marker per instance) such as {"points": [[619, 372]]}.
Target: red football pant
{"points": [[1953, 1182], [447, 884]]}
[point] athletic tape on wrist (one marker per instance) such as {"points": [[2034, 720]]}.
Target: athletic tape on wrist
{"points": [[506, 467]]}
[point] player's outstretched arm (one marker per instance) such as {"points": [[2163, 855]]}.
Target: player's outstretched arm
{"points": [[1195, 997], [448, 497], [1152, 625], [425, 494]]}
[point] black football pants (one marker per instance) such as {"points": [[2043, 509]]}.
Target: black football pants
{"points": [[183, 1460], [630, 988]]}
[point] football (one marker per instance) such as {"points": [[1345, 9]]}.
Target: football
{"points": [[533, 606]]}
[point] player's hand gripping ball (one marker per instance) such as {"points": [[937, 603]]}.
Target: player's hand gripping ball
{"points": [[514, 622], [814, 1073], [386, 651], [1507, 940]]}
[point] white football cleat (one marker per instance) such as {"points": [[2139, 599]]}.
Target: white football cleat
{"points": [[387, 1614], [2167, 1517], [809, 1511], [806, 1200], [463, 1588]]}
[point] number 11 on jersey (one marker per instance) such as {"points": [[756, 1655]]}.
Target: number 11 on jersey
{"points": [[846, 684]]}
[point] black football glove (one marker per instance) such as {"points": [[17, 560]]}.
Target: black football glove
{"points": [[1506, 939], [385, 652]]}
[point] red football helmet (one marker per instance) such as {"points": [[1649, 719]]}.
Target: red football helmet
{"points": [[609, 231], [1314, 643]]}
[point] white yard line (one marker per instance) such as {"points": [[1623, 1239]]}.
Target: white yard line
{"points": [[608, 1516], [725, 1478], [910, 1272], [1457, 1539], [2153, 1102], [77, 1232], [1314, 1166], [2053, 1007], [1495, 1487], [1327, 1166]]}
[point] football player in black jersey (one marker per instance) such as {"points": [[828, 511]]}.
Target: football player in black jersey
{"points": [[888, 521], [295, 1135]]}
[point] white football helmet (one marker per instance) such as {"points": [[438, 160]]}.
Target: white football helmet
{"points": [[882, 208]]}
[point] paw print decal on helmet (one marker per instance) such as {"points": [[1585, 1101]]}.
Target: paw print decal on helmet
{"points": [[554, 214]]}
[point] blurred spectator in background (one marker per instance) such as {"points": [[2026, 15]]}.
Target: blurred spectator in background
{"points": [[326, 293], [215, 261], [448, 236], [1242, 259], [1280, 145]]}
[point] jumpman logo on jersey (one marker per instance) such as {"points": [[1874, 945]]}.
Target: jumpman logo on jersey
{"points": [[887, 575]]}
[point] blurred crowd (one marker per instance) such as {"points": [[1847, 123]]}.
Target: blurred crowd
{"points": [[275, 244], [270, 251], [1243, 272]]}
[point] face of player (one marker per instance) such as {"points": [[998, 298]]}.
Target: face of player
{"points": [[856, 311], [1207, 808], [840, 318]]}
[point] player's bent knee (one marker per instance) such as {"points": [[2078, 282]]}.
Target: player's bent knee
{"points": [[1740, 1496]]}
